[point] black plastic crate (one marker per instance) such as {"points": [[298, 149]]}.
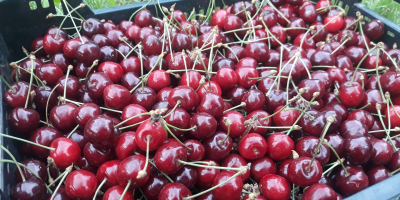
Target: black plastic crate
{"points": [[19, 26]]}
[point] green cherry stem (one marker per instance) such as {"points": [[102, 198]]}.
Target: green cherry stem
{"points": [[98, 188], [27, 141], [32, 57], [133, 117], [65, 174], [15, 162], [228, 123], [337, 156], [142, 173], [234, 107], [125, 190]]}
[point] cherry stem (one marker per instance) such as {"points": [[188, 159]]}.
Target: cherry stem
{"points": [[27, 141], [55, 180], [38, 81], [189, 129], [279, 12], [62, 22], [390, 57], [280, 127], [66, 81], [125, 127], [272, 72], [359, 64], [241, 29], [7, 84], [366, 105], [76, 12], [323, 66], [142, 173], [393, 172], [395, 129], [65, 174], [211, 165], [335, 164], [337, 156], [362, 34], [173, 109], [62, 99], [279, 74], [343, 43], [395, 111], [377, 74], [141, 114], [125, 190], [333, 19], [174, 136], [182, 70], [32, 57], [73, 131], [378, 108], [141, 8], [241, 171], [47, 103], [228, 123], [165, 175], [329, 121], [98, 188], [73, 22], [95, 63], [302, 113], [305, 67], [234, 107], [14, 161]]}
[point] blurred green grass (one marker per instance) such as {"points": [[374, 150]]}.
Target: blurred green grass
{"points": [[387, 8]]}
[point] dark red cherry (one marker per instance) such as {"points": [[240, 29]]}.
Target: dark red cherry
{"points": [[174, 191], [16, 96], [236, 94], [97, 155], [261, 167], [178, 118], [355, 54], [353, 128], [381, 152], [239, 9], [36, 166], [191, 78], [232, 22], [206, 175], [92, 26], [96, 83], [33, 188], [357, 150], [44, 136], [214, 88], [186, 175], [246, 76], [145, 97], [116, 191], [321, 191], [62, 117], [363, 116], [108, 170], [237, 127], [108, 53], [258, 51], [314, 86], [70, 46], [216, 150], [254, 99], [274, 187], [378, 174], [374, 29], [390, 81], [323, 58], [36, 44], [62, 61], [128, 171], [158, 79], [100, 39], [195, 151], [211, 103], [88, 52], [81, 184], [126, 145], [186, 95], [351, 94], [49, 73], [307, 146], [301, 174], [99, 130], [86, 112], [116, 97], [114, 35], [205, 125], [285, 117], [131, 64], [314, 126], [217, 19], [168, 155], [23, 121], [151, 189], [355, 181]]}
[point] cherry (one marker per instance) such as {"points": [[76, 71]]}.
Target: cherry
{"points": [[128, 170], [214, 88], [205, 124], [100, 39], [152, 45], [62, 117], [226, 78], [99, 130], [80, 184], [236, 161], [108, 172], [252, 146], [314, 86], [36, 44], [394, 53], [391, 79], [53, 44], [304, 172], [108, 53], [151, 189], [191, 78], [116, 97], [35, 166], [261, 167], [97, 155], [318, 190], [313, 126], [374, 29], [340, 108], [195, 151], [394, 118], [86, 112], [152, 130], [353, 128], [158, 79], [246, 76], [49, 73], [363, 116], [113, 35], [33, 188], [18, 93], [62, 61], [236, 94], [44, 136], [216, 147], [168, 156], [116, 191], [351, 182], [254, 100], [178, 118], [24, 121], [237, 127], [186, 175], [280, 146], [381, 152], [174, 191], [377, 174], [274, 187], [218, 64], [65, 153], [355, 54], [323, 58], [357, 150], [70, 46], [285, 117], [145, 97], [88, 52], [307, 146], [211, 103], [351, 93], [234, 186], [187, 97], [232, 22]]}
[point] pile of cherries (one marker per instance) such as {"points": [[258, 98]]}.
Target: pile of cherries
{"points": [[278, 99]]}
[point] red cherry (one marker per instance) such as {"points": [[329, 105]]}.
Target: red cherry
{"points": [[234, 186], [261, 167], [195, 151], [355, 181], [128, 171], [116, 97], [168, 156], [108, 170], [53, 45], [205, 125], [394, 118], [377, 174], [280, 146], [65, 153], [186, 95], [23, 121], [252, 146], [320, 191], [158, 79], [351, 95], [274, 187], [218, 18], [285, 117], [148, 129], [116, 191], [216, 150], [174, 191], [301, 174], [307, 147], [151, 189]]}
